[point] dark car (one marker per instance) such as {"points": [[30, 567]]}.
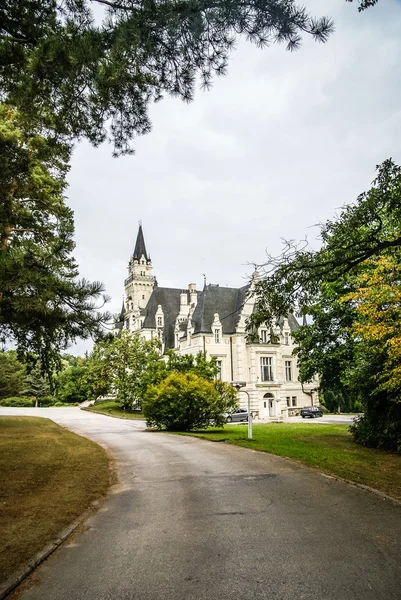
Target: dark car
{"points": [[311, 411], [239, 414]]}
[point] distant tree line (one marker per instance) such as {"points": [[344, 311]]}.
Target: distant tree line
{"points": [[174, 392]]}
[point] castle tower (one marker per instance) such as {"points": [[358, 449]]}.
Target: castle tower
{"points": [[140, 281]]}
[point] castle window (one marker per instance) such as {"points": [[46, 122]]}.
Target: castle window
{"points": [[159, 321], [219, 365], [288, 401], [142, 262], [288, 370], [263, 336], [143, 296], [294, 400], [126, 323], [266, 368], [217, 336], [286, 338]]}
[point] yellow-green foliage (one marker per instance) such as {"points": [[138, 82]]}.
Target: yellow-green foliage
{"points": [[378, 302]]}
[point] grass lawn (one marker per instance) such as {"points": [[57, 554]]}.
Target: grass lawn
{"points": [[329, 448], [113, 409], [49, 476]]}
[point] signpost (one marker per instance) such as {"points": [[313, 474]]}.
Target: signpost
{"points": [[238, 385]]}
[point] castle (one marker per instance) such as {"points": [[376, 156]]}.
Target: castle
{"points": [[213, 320]]}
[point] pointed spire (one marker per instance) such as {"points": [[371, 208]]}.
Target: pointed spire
{"points": [[122, 311], [140, 248]]}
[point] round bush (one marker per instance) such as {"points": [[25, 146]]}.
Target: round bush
{"points": [[184, 401]]}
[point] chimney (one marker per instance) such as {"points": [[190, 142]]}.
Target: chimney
{"points": [[192, 294], [183, 300]]}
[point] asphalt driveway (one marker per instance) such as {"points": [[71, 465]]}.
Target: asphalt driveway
{"points": [[194, 520]]}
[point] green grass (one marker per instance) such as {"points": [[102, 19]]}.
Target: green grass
{"points": [[329, 448], [112, 409], [49, 476]]}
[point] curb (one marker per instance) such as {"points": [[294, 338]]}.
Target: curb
{"points": [[18, 577], [95, 412], [362, 486]]}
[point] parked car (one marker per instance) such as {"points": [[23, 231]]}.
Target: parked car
{"points": [[311, 411], [239, 414]]}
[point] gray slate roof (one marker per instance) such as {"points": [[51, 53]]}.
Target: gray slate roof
{"points": [[140, 248], [293, 323], [169, 299], [225, 301]]}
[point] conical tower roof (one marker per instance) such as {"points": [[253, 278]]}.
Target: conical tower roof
{"points": [[122, 312], [140, 248]]}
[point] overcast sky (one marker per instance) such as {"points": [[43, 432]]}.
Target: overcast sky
{"points": [[276, 146]]}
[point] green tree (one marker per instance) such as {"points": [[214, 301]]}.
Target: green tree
{"points": [[327, 346], [35, 385], [134, 364], [98, 374], [364, 4], [12, 374], [74, 74], [184, 401], [377, 367], [370, 227], [43, 305], [70, 385], [198, 364], [351, 287]]}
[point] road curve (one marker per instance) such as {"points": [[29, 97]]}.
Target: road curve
{"points": [[193, 520]]}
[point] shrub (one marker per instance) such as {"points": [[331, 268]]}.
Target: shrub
{"points": [[184, 401], [47, 401], [18, 402], [380, 424]]}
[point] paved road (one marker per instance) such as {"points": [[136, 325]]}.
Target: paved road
{"points": [[331, 419], [193, 520]]}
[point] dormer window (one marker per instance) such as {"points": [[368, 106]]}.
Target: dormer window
{"points": [[286, 338], [160, 321], [263, 336], [217, 336]]}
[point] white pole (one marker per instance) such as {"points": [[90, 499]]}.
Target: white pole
{"points": [[249, 416]]}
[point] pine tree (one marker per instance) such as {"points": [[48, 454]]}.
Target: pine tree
{"points": [[43, 305], [76, 76]]}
